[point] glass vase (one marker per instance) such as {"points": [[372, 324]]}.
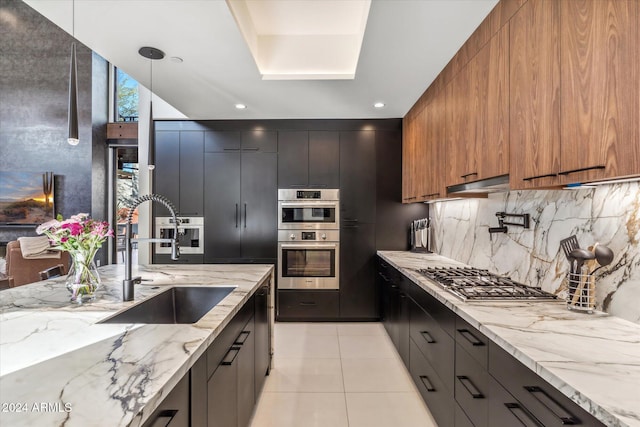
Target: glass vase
{"points": [[83, 279]]}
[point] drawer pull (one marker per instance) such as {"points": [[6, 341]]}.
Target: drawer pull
{"points": [[470, 337], [164, 418], [466, 175], [581, 169], [427, 336], [525, 418], [554, 407], [471, 388], [230, 357], [394, 286], [307, 303], [427, 383], [242, 337], [548, 175]]}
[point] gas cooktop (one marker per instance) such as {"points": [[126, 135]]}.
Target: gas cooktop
{"points": [[472, 284]]}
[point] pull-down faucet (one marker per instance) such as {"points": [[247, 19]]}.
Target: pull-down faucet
{"points": [[128, 282]]}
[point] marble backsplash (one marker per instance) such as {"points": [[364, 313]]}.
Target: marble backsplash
{"points": [[608, 214]]}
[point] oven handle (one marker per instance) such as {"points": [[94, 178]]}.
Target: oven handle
{"points": [[309, 204], [309, 245]]}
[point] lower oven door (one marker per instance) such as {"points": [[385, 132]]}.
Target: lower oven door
{"points": [[308, 265]]}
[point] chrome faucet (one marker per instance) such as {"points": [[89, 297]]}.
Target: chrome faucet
{"points": [[128, 282]]}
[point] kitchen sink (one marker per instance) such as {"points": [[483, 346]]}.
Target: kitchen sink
{"points": [[184, 304]]}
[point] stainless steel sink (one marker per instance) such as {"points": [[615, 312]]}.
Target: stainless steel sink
{"points": [[185, 304]]}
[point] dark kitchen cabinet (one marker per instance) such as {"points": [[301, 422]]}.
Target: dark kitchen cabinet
{"points": [[308, 305], [505, 410], [179, 172], [357, 177], [174, 409], [395, 308], [265, 141], [222, 392], [308, 159], [538, 398], [262, 337], [472, 387], [358, 290], [240, 199], [246, 373]]}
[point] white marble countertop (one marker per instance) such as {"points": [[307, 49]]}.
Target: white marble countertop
{"points": [[594, 359], [58, 367]]}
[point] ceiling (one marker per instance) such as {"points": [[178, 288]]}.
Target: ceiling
{"points": [[406, 44]]}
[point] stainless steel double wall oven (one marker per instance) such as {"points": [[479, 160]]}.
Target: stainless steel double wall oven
{"points": [[308, 239]]}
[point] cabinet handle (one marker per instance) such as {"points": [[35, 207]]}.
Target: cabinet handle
{"points": [[394, 286], [297, 185], [317, 185], [471, 388], [470, 337], [522, 415], [242, 337], [466, 175], [245, 215], [307, 303], [427, 383], [548, 175], [250, 148], [164, 418], [403, 295], [230, 357], [350, 220], [231, 149], [385, 278], [430, 195], [581, 169], [554, 407], [409, 198], [351, 226], [427, 336], [237, 215]]}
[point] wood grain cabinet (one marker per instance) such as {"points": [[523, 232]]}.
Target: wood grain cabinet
{"points": [[574, 94], [477, 107]]}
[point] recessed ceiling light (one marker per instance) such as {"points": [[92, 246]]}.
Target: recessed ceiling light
{"points": [[241, 106], [379, 104]]}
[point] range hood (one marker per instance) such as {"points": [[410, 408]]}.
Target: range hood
{"points": [[498, 184]]}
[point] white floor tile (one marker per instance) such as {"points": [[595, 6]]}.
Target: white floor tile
{"points": [[376, 375], [309, 329], [305, 375], [366, 347], [306, 346], [301, 410], [387, 409], [364, 328]]}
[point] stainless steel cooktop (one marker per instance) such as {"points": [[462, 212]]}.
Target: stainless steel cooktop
{"points": [[472, 284]]}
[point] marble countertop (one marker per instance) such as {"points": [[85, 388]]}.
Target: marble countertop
{"points": [[59, 367], [594, 359]]}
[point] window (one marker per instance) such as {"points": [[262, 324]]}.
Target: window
{"points": [[126, 99]]}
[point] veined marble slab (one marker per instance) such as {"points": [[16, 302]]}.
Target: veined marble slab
{"points": [[59, 367], [592, 359]]}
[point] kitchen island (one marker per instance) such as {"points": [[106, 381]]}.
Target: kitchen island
{"points": [[593, 359], [58, 366]]}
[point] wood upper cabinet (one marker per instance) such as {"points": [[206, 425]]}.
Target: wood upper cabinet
{"points": [[599, 92], [477, 108], [409, 144], [534, 95]]}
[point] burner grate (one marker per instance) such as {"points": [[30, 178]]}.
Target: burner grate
{"points": [[477, 284]]}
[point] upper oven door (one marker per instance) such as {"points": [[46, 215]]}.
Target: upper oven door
{"points": [[308, 215]]}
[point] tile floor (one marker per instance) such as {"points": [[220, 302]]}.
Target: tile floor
{"points": [[338, 375]]}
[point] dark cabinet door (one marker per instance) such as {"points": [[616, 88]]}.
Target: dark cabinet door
{"points": [[174, 409], [246, 374], [259, 140], [403, 327], [222, 206], [357, 177], [221, 141], [222, 392], [167, 171], [324, 159], [191, 173], [390, 307], [262, 337], [259, 204], [293, 159], [358, 291]]}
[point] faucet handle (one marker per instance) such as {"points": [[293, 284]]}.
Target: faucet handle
{"points": [[175, 250]]}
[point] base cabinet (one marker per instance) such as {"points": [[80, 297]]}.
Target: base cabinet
{"points": [[465, 378], [174, 409]]}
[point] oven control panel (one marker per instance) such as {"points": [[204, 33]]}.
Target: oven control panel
{"points": [[308, 236]]}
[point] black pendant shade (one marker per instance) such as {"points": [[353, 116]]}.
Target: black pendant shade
{"points": [[153, 54], [73, 99]]}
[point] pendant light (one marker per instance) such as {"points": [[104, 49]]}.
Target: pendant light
{"points": [[73, 138], [153, 54]]}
